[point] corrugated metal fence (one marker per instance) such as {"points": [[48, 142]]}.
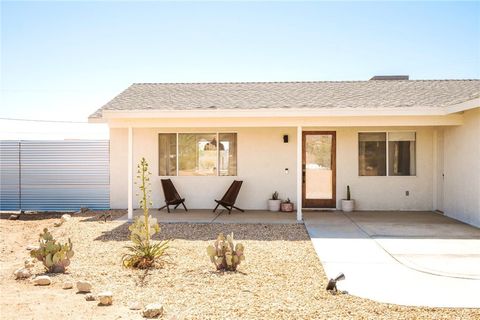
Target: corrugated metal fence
{"points": [[54, 175]]}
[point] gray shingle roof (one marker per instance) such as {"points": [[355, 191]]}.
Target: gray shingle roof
{"points": [[294, 95]]}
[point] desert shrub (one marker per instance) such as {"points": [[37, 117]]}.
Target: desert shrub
{"points": [[144, 253], [224, 254], [55, 256]]}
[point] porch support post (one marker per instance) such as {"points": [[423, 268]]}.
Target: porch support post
{"points": [[435, 169], [299, 173], [130, 173]]}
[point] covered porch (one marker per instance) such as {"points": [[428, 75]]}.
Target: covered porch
{"points": [[271, 156]]}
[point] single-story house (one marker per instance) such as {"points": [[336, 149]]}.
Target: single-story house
{"points": [[399, 144]]}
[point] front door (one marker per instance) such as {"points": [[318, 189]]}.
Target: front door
{"points": [[318, 169]]}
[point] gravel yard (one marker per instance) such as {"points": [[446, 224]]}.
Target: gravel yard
{"points": [[281, 278]]}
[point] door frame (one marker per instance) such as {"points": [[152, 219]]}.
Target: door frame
{"points": [[321, 203]]}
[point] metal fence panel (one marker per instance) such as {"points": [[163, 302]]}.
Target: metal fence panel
{"points": [[64, 175], [9, 175]]}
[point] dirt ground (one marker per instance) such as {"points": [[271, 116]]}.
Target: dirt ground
{"points": [[281, 278]]}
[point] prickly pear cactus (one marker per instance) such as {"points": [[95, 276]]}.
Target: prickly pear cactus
{"points": [[224, 254], [55, 256]]}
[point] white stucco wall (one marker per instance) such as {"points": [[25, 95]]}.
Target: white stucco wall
{"points": [[262, 159], [462, 169], [385, 193], [118, 168]]}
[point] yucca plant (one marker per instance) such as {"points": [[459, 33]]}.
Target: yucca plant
{"points": [[144, 253]]}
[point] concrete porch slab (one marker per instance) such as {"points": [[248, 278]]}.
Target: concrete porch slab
{"points": [[220, 216]]}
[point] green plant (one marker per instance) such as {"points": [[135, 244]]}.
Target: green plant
{"points": [[144, 253], [348, 192], [275, 196], [55, 256], [224, 254], [286, 201]]}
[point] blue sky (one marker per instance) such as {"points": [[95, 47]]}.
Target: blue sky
{"points": [[63, 60]]}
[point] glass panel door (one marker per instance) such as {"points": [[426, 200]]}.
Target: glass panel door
{"points": [[319, 170]]}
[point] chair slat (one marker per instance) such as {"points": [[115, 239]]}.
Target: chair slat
{"points": [[229, 198]]}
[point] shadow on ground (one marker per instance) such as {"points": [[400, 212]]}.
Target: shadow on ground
{"points": [[32, 216], [88, 216], [207, 232]]}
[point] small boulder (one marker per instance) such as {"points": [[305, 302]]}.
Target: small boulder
{"points": [[84, 286], [135, 305], [153, 310], [42, 281], [29, 263], [67, 285], [66, 218], [58, 224], [14, 217], [32, 247], [22, 273], [105, 298], [90, 297]]}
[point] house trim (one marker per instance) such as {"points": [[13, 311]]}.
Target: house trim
{"points": [[327, 121], [467, 105]]}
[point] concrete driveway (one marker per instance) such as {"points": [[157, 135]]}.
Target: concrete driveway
{"points": [[408, 258]]}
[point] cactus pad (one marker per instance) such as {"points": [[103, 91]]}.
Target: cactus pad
{"points": [[55, 256], [224, 254]]}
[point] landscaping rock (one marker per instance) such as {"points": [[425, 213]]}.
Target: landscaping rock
{"points": [[14, 217], [22, 273], [67, 285], [29, 263], [66, 218], [153, 310], [58, 224], [135, 305], [42, 281], [105, 298], [32, 247], [84, 286], [90, 297]]}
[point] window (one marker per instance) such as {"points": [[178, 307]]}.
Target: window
{"points": [[199, 154], [167, 161], [228, 154], [401, 153], [372, 153], [380, 153]]}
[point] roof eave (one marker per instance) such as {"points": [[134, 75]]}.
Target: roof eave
{"points": [[280, 112], [463, 106], [96, 120]]}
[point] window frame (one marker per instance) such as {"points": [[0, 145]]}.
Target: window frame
{"points": [[387, 151], [217, 136]]}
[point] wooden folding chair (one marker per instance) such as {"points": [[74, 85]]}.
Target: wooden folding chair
{"points": [[172, 198], [229, 198]]}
